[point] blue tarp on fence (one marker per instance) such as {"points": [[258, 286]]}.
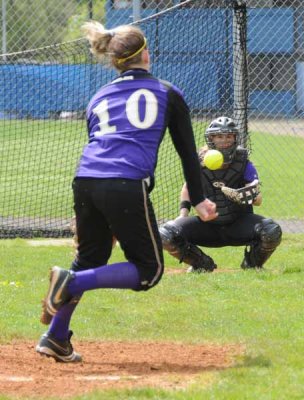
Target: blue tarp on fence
{"points": [[39, 91]]}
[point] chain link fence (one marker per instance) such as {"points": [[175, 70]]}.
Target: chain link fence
{"points": [[275, 65], [275, 44]]}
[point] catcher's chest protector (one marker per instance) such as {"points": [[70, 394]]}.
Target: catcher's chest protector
{"points": [[232, 177]]}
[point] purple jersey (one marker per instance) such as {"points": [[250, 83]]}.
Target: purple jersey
{"points": [[250, 173], [126, 123]]}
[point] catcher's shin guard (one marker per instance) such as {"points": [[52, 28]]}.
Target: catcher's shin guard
{"points": [[175, 243], [269, 235]]}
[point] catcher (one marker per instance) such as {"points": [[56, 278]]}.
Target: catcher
{"points": [[235, 189]]}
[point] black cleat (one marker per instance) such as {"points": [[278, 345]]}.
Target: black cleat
{"points": [[57, 294], [205, 264], [192, 270], [249, 260], [60, 350]]}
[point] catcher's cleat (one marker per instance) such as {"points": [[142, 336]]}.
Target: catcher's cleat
{"points": [[206, 264], [57, 294], [248, 261], [60, 350], [193, 270]]}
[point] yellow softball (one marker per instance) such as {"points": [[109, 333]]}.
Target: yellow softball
{"points": [[213, 159]]}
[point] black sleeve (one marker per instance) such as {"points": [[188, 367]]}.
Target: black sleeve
{"points": [[180, 128]]}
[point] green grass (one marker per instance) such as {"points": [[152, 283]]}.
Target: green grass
{"points": [[39, 160], [38, 163], [278, 160], [261, 310]]}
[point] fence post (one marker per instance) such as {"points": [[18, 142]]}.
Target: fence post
{"points": [[4, 22], [240, 72], [90, 9], [136, 10]]}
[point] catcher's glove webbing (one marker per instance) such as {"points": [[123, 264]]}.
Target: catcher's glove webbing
{"points": [[245, 195]]}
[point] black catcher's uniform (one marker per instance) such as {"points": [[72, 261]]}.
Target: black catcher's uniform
{"points": [[236, 224]]}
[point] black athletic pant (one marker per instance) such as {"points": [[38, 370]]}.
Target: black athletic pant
{"points": [[239, 233], [117, 207]]}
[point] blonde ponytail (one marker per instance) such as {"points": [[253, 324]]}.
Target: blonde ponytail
{"points": [[121, 46], [98, 37]]}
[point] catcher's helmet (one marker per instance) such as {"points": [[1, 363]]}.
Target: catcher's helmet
{"points": [[223, 126]]}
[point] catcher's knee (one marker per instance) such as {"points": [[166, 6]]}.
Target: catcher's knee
{"points": [[178, 246], [269, 233], [268, 237], [171, 237]]}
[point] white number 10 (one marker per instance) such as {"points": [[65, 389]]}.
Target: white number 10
{"points": [[132, 112]]}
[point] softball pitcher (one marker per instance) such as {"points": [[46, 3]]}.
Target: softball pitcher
{"points": [[126, 120]]}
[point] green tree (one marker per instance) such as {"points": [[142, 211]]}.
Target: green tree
{"points": [[82, 14], [35, 23]]}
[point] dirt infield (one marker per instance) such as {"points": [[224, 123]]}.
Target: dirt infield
{"points": [[109, 365]]}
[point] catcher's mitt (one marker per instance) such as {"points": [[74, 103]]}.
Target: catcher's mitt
{"points": [[245, 195]]}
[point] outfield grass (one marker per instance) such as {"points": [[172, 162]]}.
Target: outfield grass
{"points": [[39, 160], [278, 160], [260, 310]]}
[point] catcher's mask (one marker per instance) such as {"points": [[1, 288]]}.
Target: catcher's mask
{"points": [[223, 126]]}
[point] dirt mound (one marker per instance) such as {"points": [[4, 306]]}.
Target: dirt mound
{"points": [[106, 365]]}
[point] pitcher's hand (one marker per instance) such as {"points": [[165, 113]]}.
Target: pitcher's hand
{"points": [[206, 210]]}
